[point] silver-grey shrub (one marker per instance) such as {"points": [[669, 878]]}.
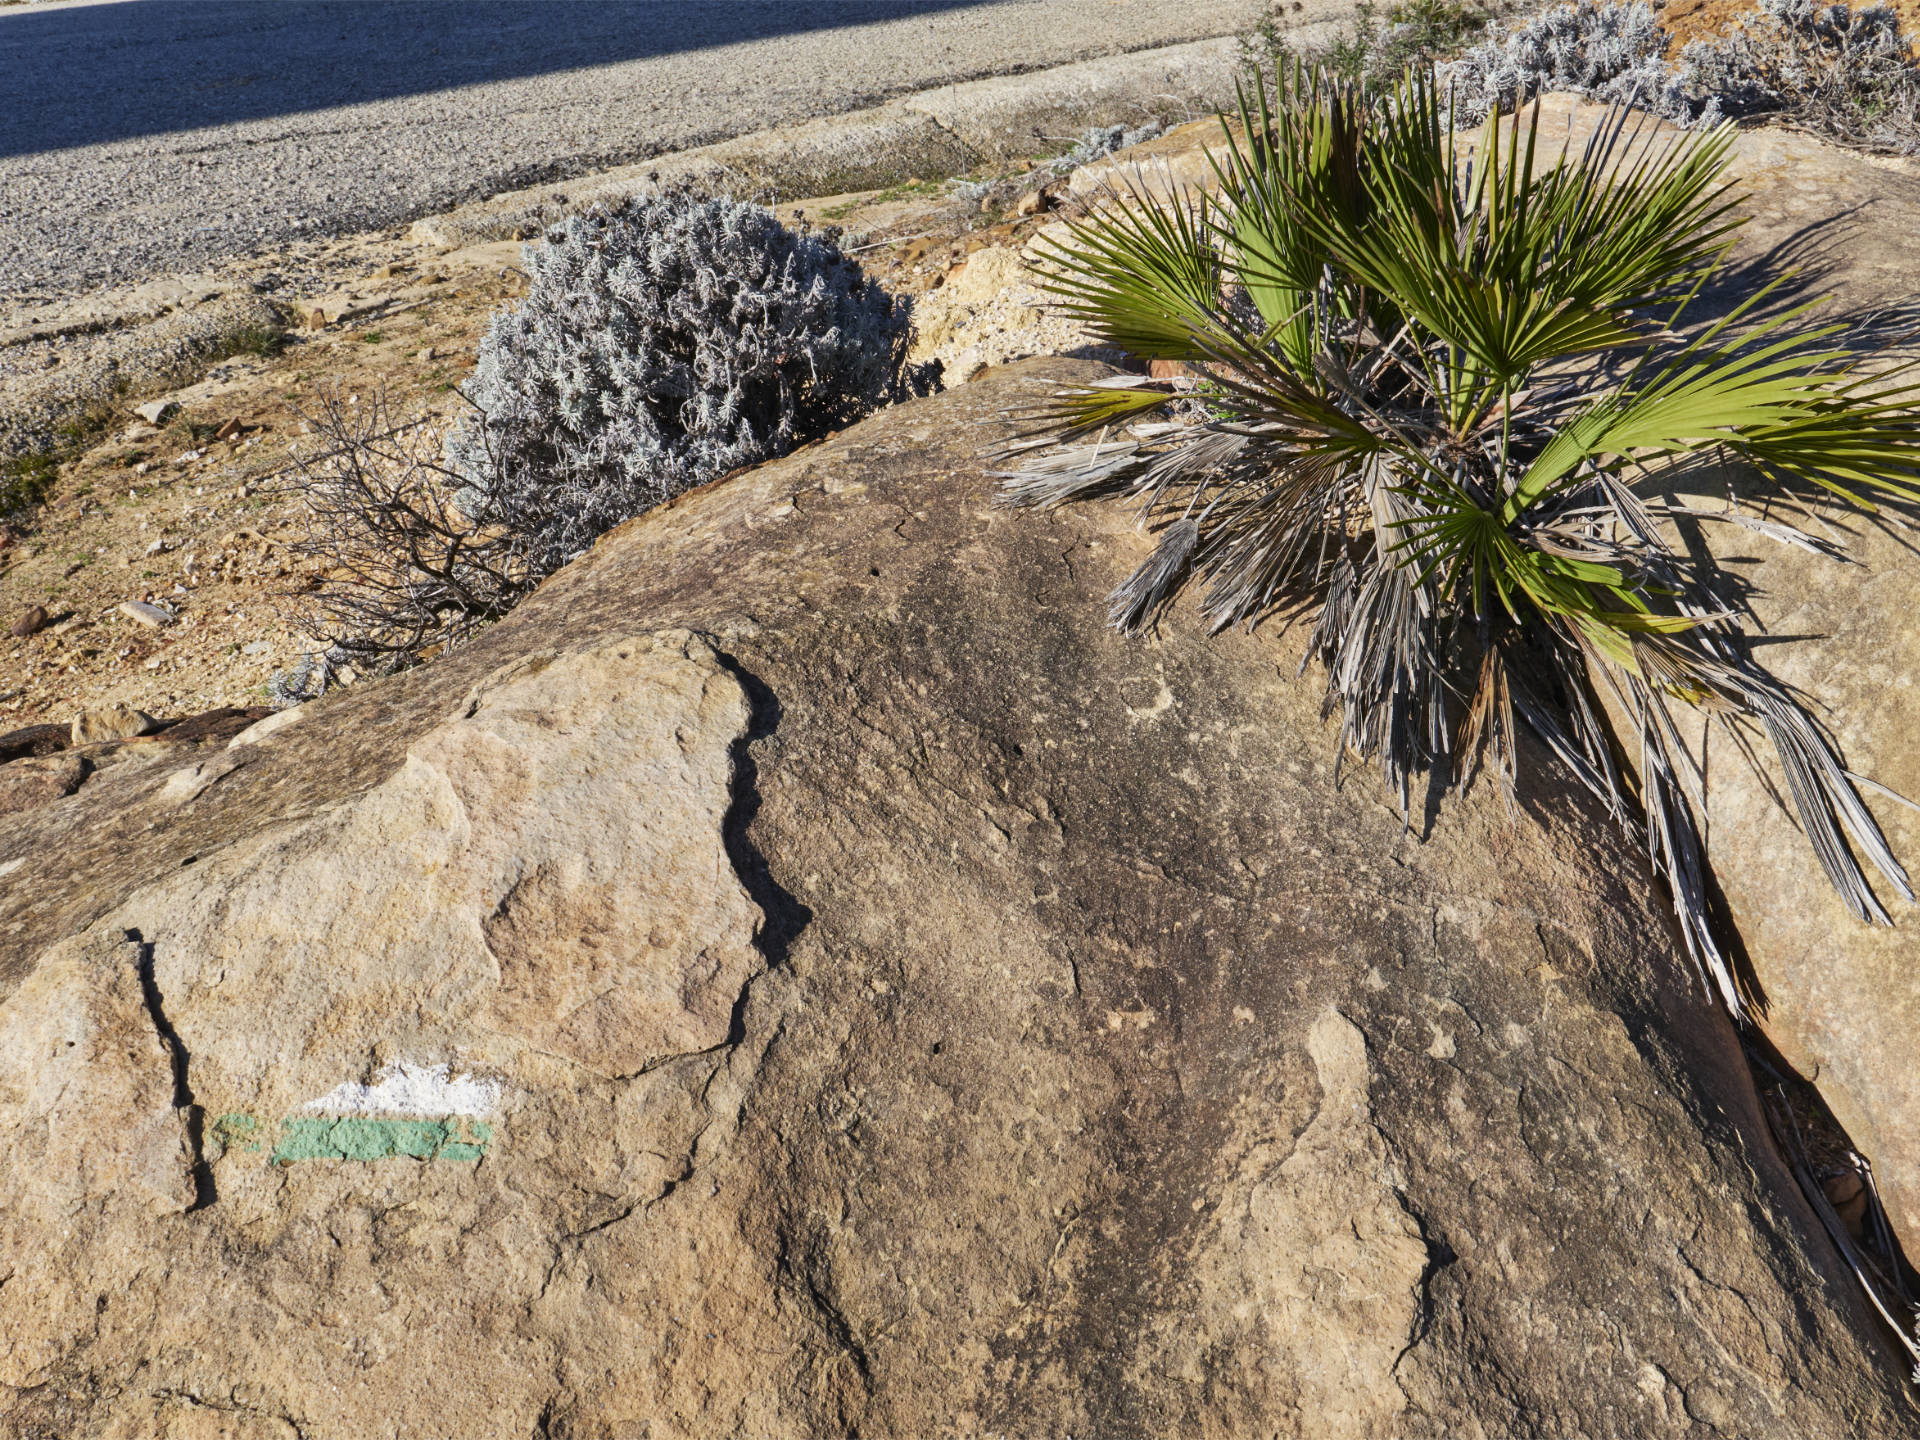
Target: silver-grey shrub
{"points": [[1609, 53], [1847, 74], [662, 343], [1843, 73]]}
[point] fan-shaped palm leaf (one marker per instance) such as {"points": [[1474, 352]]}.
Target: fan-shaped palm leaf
{"points": [[1438, 370]]}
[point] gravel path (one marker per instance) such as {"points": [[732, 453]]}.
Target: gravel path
{"points": [[147, 138]]}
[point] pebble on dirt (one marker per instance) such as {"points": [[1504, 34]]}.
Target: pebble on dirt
{"points": [[142, 613], [157, 412], [33, 619]]}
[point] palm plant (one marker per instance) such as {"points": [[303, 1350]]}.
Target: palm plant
{"points": [[1445, 384]]}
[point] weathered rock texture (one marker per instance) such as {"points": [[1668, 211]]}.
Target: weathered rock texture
{"points": [[990, 312], [801, 976], [1842, 998]]}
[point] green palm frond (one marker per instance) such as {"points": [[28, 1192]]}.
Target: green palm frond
{"points": [[1442, 376], [1143, 277]]}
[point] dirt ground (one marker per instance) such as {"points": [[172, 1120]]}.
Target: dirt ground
{"points": [[185, 516], [190, 516]]}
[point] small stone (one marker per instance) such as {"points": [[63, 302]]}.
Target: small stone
{"points": [[257, 647], [229, 429], [136, 433], [159, 547], [141, 613], [34, 618], [427, 353], [114, 722], [316, 319], [1168, 369], [157, 412], [986, 204], [1033, 203]]}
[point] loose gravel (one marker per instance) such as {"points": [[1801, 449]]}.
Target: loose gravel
{"points": [[161, 137]]}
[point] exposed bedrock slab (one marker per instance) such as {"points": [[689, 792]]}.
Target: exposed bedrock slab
{"points": [[802, 976], [1843, 998]]}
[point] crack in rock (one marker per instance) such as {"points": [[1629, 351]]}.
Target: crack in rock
{"points": [[193, 1117]]}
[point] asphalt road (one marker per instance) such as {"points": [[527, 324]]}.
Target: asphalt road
{"points": [[142, 137]]}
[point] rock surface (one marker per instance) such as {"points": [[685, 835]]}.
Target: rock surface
{"points": [[801, 976], [1843, 998], [990, 312], [111, 722], [34, 781]]}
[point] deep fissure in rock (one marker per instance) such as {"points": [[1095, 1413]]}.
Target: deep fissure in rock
{"points": [[193, 1116], [785, 915]]}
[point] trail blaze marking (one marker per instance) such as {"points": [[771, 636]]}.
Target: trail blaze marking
{"points": [[411, 1112], [356, 1138], [423, 1091]]}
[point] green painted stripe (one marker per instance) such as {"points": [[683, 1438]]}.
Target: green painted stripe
{"points": [[324, 1137], [238, 1132]]}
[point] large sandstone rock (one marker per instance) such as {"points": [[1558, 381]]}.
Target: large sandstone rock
{"points": [[991, 312], [1842, 998], [802, 976]]}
